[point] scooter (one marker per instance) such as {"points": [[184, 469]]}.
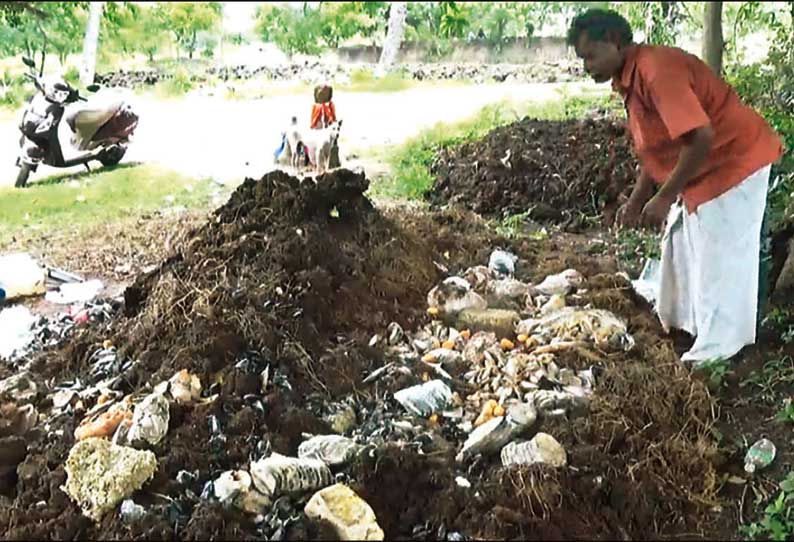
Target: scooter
{"points": [[62, 129]]}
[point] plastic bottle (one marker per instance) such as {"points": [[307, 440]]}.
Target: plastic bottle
{"points": [[502, 263], [760, 455], [279, 475]]}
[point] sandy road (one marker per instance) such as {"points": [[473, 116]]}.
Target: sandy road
{"points": [[228, 140]]}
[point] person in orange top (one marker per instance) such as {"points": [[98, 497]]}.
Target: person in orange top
{"points": [[323, 110], [705, 159], [323, 115]]}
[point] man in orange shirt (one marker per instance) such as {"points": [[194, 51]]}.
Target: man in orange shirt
{"points": [[710, 157]]}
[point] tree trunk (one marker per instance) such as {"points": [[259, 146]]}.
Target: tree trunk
{"points": [[394, 37], [192, 45], [713, 43], [223, 13], [91, 42]]}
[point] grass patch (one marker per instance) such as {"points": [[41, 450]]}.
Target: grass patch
{"points": [[260, 88], [765, 381], [87, 199], [516, 225], [363, 80], [780, 321], [717, 370], [13, 90], [178, 85], [410, 162], [777, 521], [635, 245]]}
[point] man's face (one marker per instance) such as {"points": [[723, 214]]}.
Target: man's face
{"points": [[602, 59]]}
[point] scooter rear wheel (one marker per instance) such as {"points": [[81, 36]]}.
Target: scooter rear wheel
{"points": [[22, 176], [113, 156]]}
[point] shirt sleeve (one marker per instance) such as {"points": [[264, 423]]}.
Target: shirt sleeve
{"points": [[675, 101]]}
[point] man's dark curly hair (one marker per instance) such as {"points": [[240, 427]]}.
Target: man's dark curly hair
{"points": [[597, 23]]}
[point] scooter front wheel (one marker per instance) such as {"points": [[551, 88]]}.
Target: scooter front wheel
{"points": [[22, 176]]}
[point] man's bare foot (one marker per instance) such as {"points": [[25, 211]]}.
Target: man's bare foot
{"points": [[682, 341]]}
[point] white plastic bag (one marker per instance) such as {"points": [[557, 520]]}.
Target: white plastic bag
{"points": [[16, 333], [21, 276]]}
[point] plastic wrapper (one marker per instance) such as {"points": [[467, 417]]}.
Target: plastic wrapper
{"points": [[597, 326], [560, 284], [543, 449], [332, 450], [278, 475], [150, 420], [454, 295], [425, 399]]}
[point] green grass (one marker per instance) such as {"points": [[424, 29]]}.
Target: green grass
{"points": [[410, 162], [717, 370], [103, 196], [635, 245], [175, 87], [363, 80], [259, 88], [780, 321], [13, 90], [786, 414], [777, 522], [765, 380]]}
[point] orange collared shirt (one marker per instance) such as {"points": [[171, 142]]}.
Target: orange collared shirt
{"points": [[669, 92]]}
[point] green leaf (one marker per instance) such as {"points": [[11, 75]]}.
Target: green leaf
{"points": [[787, 485]]}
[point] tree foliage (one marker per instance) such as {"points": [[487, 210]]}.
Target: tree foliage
{"points": [[141, 29], [188, 20], [310, 30], [53, 28]]}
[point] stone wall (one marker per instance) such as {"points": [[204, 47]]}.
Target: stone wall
{"points": [[314, 72], [515, 51]]}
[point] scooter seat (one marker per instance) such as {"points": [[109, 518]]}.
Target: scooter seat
{"points": [[88, 118]]}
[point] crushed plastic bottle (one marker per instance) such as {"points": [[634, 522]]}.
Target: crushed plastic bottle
{"points": [[130, 511], [502, 263], [759, 456]]}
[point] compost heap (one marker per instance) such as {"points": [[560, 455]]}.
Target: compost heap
{"points": [[557, 170], [300, 310]]}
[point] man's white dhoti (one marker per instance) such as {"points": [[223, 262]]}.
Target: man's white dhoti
{"points": [[708, 277]]}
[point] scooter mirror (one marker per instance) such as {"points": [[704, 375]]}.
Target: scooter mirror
{"points": [[28, 62], [92, 88]]}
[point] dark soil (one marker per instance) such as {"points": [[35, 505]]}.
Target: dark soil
{"points": [[558, 170], [299, 276]]}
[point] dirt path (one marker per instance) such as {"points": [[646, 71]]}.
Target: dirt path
{"points": [[210, 136]]}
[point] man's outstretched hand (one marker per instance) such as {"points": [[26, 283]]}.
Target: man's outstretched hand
{"points": [[655, 211], [628, 215]]}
